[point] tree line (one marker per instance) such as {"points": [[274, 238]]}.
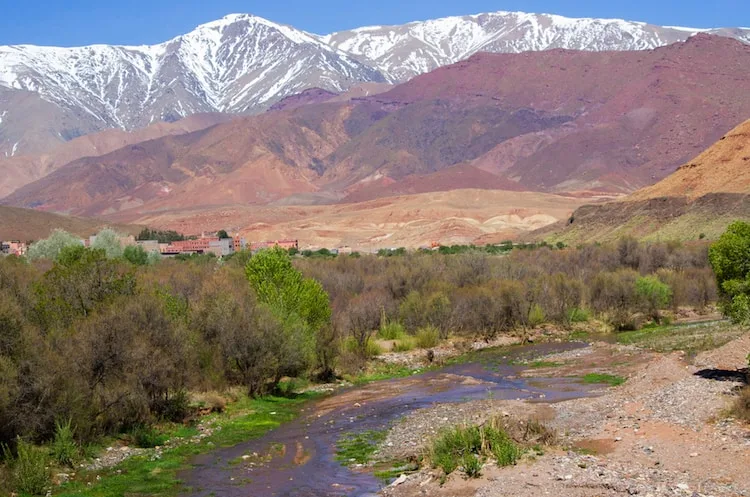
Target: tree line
{"points": [[113, 344]]}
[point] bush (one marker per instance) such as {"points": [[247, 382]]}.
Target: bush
{"points": [[578, 315], [471, 465], [29, 468], [372, 349], [64, 448], [391, 330], [427, 337], [536, 315], [467, 446], [405, 344], [175, 408], [146, 437]]}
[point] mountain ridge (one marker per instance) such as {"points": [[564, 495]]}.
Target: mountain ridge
{"points": [[244, 64]]}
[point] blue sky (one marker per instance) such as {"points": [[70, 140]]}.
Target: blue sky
{"points": [[133, 22]]}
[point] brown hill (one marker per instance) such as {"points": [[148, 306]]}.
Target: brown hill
{"points": [[16, 172], [458, 216], [29, 225], [701, 198], [724, 167], [557, 121]]}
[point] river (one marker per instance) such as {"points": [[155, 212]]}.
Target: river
{"points": [[301, 454]]}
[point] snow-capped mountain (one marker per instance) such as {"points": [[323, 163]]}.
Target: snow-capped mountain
{"points": [[402, 52], [244, 64]]}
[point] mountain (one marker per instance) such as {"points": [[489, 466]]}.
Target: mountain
{"points": [[402, 52], [20, 170], [29, 225], [723, 168], [554, 121], [698, 200], [241, 63], [244, 64]]}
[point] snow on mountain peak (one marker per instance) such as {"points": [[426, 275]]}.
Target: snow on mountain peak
{"points": [[245, 63]]}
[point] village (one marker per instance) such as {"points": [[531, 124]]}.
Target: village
{"points": [[204, 244]]}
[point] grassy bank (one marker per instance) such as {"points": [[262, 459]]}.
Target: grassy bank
{"points": [[158, 476], [691, 338]]}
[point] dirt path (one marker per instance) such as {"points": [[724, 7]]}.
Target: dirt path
{"points": [[662, 433]]}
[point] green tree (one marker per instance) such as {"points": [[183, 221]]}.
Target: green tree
{"points": [[50, 248], [730, 259], [136, 255], [300, 303], [653, 295], [223, 234], [109, 241]]}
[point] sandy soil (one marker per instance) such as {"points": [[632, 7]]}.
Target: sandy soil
{"points": [[454, 217], [663, 433]]}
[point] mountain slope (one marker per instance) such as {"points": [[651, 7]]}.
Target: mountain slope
{"points": [[699, 199], [552, 121], [20, 170], [405, 51], [723, 168], [241, 63], [29, 225], [244, 64]]}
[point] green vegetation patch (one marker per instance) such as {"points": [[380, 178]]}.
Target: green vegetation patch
{"points": [[603, 378], [691, 338], [147, 475], [358, 448], [467, 447]]}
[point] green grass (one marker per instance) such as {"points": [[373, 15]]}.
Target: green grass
{"points": [[383, 371], [544, 364], [691, 338], [140, 476], [467, 447], [603, 378], [394, 470], [358, 448]]}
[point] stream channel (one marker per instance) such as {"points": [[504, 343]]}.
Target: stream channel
{"points": [[301, 454]]}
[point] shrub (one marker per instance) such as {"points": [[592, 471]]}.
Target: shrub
{"points": [[536, 315], [372, 349], [467, 446], [391, 330], [64, 448], [405, 345], [427, 337], [653, 295], [578, 315], [471, 465], [146, 437], [175, 407], [29, 468]]}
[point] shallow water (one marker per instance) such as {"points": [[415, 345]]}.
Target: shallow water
{"points": [[301, 453]]}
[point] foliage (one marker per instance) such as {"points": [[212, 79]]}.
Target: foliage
{"points": [[358, 448], [653, 295], [108, 240], [427, 337], [467, 446], [222, 234], [28, 467], [391, 330], [160, 236], [741, 407], [603, 378], [135, 254], [730, 259], [64, 448], [50, 248]]}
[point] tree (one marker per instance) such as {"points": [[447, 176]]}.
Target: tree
{"points": [[136, 255], [730, 259], [653, 295], [51, 247], [222, 234], [300, 303], [109, 241]]}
